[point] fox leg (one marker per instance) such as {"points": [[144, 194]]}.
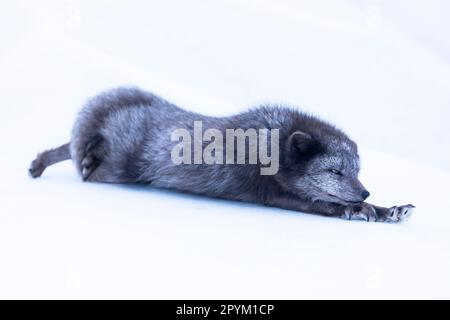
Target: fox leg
{"points": [[307, 206], [48, 158], [363, 211]]}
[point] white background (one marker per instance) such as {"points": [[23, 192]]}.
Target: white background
{"points": [[378, 69]]}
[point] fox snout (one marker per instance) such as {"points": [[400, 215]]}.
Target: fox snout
{"points": [[359, 197], [359, 190]]}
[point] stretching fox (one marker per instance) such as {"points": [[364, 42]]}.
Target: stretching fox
{"points": [[125, 136]]}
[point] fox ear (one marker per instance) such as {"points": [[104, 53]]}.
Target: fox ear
{"points": [[302, 143]]}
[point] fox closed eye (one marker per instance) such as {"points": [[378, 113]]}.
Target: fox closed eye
{"points": [[336, 172]]}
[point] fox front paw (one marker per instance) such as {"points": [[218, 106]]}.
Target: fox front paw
{"points": [[367, 212], [398, 214], [361, 211]]}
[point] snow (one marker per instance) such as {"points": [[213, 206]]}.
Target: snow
{"points": [[374, 76]]}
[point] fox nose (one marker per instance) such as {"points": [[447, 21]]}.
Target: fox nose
{"points": [[365, 194]]}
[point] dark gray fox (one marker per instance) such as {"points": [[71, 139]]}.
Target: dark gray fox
{"points": [[124, 136]]}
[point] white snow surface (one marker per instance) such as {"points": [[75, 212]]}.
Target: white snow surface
{"points": [[362, 65]]}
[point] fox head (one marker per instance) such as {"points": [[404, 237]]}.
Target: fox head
{"points": [[322, 168]]}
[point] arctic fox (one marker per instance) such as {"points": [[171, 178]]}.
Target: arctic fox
{"points": [[126, 136]]}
